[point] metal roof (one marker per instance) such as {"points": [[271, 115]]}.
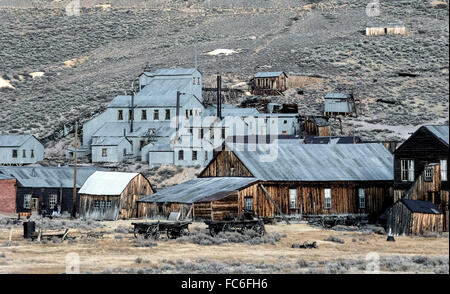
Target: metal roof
{"points": [[332, 105], [440, 131], [332, 140], [107, 183], [268, 74], [140, 129], [336, 96], [421, 206], [264, 139], [199, 190], [5, 177], [107, 141], [172, 72], [13, 140], [231, 110], [48, 177], [319, 162]]}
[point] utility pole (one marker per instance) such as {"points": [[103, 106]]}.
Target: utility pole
{"points": [[74, 204]]}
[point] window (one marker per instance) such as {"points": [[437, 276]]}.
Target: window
{"points": [[191, 130], [194, 155], [327, 199], [32, 153], [444, 170], [156, 114], [198, 81], [200, 133], [104, 152], [120, 115], [167, 114], [193, 81], [124, 151], [292, 198], [108, 204], [141, 144], [27, 201], [130, 114], [249, 203], [428, 175], [14, 153], [223, 133], [144, 114], [180, 155], [285, 122], [102, 204], [187, 113], [52, 201], [407, 170], [362, 198], [24, 153], [206, 155]]}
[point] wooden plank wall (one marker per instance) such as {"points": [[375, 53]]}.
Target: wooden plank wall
{"points": [[423, 222], [399, 219], [225, 164], [88, 211], [138, 188]]}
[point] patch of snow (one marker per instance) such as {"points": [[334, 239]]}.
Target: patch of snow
{"points": [[5, 84], [221, 51], [37, 74]]}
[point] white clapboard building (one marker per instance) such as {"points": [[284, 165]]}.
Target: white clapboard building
{"points": [[18, 149]]}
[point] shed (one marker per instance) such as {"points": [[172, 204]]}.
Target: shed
{"points": [[112, 195], [212, 198], [269, 83], [414, 217], [338, 104]]}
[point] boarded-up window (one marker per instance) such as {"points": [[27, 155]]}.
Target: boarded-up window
{"points": [[362, 198], [52, 200], [194, 155], [249, 203], [24, 153], [167, 114], [444, 170], [292, 198], [120, 115], [327, 198], [156, 114], [27, 201], [104, 152], [180, 155], [14, 153], [144, 114], [428, 175]]}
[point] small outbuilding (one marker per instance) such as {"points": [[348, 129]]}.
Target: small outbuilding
{"points": [[19, 149], [269, 83], [339, 104], [112, 195], [414, 217]]}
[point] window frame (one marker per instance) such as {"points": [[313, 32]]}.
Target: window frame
{"points": [[428, 174], [52, 200], [104, 152], [194, 155], [155, 114], [180, 155], [411, 170], [167, 114], [361, 198], [293, 198], [144, 114], [120, 114], [27, 201], [444, 172], [15, 153], [32, 153], [24, 153], [327, 202], [247, 201]]}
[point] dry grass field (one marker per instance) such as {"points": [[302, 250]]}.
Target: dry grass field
{"points": [[118, 252]]}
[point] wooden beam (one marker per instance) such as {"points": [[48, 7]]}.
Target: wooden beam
{"points": [[274, 203]]}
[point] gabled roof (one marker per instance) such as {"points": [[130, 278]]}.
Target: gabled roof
{"points": [[173, 71], [440, 132], [48, 177], [14, 140], [268, 74], [107, 183], [140, 129], [107, 141], [200, 190], [319, 162], [331, 105], [421, 206]]}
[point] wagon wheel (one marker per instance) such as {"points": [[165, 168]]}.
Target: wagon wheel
{"points": [[173, 233], [228, 228], [153, 232], [259, 229]]}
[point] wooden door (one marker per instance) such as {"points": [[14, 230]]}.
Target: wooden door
{"points": [[34, 204]]}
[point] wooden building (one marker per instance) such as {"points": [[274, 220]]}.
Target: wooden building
{"points": [[295, 180], [212, 198], [414, 217], [269, 83], [379, 29], [316, 126], [46, 189], [112, 195]]}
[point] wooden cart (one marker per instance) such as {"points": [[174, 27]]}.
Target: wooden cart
{"points": [[240, 226], [154, 229]]}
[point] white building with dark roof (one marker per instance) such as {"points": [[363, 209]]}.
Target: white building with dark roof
{"points": [[18, 149]]}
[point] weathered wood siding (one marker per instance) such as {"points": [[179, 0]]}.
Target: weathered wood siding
{"points": [[160, 210], [123, 206], [225, 164]]}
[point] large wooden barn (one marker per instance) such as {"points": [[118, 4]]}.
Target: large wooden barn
{"points": [[213, 198], [296, 180], [112, 195], [420, 168], [414, 217]]}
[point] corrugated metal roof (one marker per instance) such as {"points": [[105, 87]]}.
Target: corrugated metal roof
{"points": [[173, 71], [231, 110], [319, 162], [5, 177], [140, 129], [332, 140], [440, 131], [336, 96], [106, 141], [268, 74], [199, 189], [160, 148], [264, 139], [48, 177], [332, 105], [421, 206], [107, 183], [13, 140]]}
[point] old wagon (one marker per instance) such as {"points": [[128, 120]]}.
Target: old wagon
{"points": [[173, 229], [247, 221]]}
